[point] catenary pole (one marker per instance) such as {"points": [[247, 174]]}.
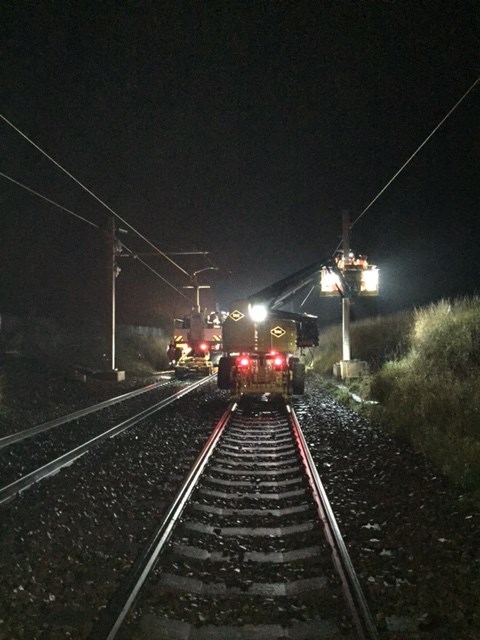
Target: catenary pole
{"points": [[346, 299], [113, 276]]}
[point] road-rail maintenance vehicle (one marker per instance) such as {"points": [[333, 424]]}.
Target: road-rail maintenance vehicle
{"points": [[196, 344], [263, 345]]}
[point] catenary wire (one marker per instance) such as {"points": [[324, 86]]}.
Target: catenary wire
{"points": [[96, 226], [145, 239], [417, 150], [411, 157], [137, 257], [23, 186]]}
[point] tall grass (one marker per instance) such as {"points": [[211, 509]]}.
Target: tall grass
{"points": [[375, 340], [432, 394], [425, 374], [329, 350]]}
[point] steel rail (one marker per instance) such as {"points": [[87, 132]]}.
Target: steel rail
{"points": [[5, 441], [354, 596], [117, 609], [9, 491]]}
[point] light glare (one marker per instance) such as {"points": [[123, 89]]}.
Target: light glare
{"points": [[370, 280], [258, 312]]}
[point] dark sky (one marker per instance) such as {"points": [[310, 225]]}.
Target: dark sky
{"points": [[242, 129]]}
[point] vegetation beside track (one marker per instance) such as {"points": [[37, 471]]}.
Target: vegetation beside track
{"points": [[54, 347], [425, 368], [46, 371]]}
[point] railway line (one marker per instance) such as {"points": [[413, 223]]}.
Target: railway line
{"points": [[249, 547], [37, 452], [73, 547]]}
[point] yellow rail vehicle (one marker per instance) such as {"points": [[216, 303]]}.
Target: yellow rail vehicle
{"points": [[196, 343], [261, 356]]}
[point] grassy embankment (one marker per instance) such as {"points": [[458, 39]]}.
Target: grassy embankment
{"points": [[39, 363], [425, 373], [56, 348]]}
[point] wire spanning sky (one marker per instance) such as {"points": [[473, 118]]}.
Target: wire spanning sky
{"points": [[242, 129]]}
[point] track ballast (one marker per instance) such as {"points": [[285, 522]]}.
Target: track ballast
{"points": [[246, 552]]}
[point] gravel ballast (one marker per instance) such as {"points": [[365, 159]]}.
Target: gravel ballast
{"points": [[413, 537]]}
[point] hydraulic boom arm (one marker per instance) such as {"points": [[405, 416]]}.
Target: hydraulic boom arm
{"points": [[276, 294]]}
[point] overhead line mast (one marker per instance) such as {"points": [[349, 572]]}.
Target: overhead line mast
{"points": [[346, 297]]}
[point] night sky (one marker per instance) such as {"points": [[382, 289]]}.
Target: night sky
{"points": [[242, 129]]}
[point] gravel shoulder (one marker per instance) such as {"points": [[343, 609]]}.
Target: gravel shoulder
{"points": [[411, 534]]}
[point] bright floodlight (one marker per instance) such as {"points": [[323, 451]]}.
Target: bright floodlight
{"points": [[370, 280], [258, 312], [330, 282]]}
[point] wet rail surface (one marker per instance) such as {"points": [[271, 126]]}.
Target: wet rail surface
{"points": [[244, 552], [44, 449]]}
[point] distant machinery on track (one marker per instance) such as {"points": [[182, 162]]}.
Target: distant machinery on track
{"points": [[196, 344]]}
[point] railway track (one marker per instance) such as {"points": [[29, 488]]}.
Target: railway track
{"points": [[248, 549], [37, 452]]}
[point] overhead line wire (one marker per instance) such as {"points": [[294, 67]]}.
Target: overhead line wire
{"points": [[416, 151], [96, 226], [137, 257], [94, 196], [56, 204]]}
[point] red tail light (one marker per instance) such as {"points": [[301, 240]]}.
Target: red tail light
{"points": [[203, 346], [243, 361], [278, 361]]}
